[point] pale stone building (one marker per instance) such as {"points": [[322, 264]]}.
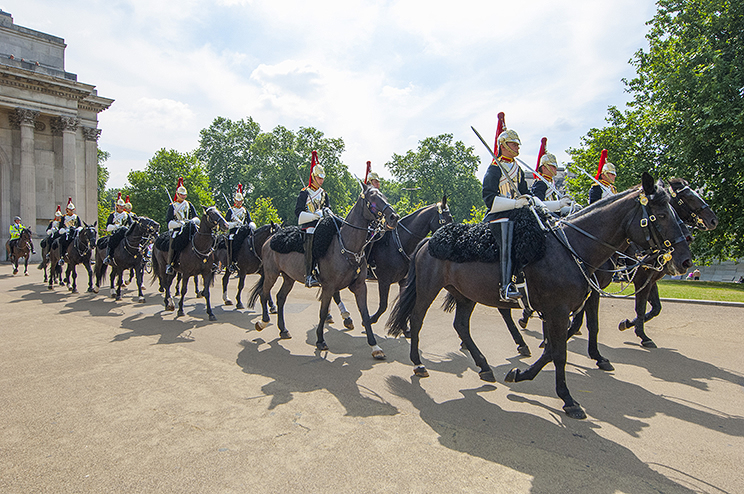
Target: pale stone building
{"points": [[48, 131]]}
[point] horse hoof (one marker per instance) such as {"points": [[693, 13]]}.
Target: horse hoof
{"points": [[522, 323], [648, 344], [239, 305], [25, 274], [623, 325], [272, 309], [261, 325], [15, 271], [180, 313], [74, 290], [170, 307], [575, 411], [377, 353], [524, 351], [420, 371], [199, 295], [284, 335], [95, 289], [228, 302], [212, 317], [322, 346], [50, 287], [117, 298], [605, 365], [329, 319], [512, 375], [487, 376], [348, 323], [90, 290], [141, 300]]}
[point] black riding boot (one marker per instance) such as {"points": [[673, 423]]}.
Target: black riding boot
{"points": [[169, 263], [230, 264], [502, 232], [310, 280]]}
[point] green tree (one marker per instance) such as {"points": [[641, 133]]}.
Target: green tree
{"points": [[152, 189], [226, 151], [264, 212], [103, 175], [436, 168], [688, 102]]}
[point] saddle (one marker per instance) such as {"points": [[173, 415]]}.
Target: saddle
{"points": [[180, 241], [459, 242], [290, 239]]}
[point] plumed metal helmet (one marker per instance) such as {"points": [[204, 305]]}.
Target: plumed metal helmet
{"points": [[318, 171], [238, 197], [548, 159], [609, 168], [373, 176], [58, 212], [70, 205], [127, 204], [181, 189], [508, 135], [120, 201]]}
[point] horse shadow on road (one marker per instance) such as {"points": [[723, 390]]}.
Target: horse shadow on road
{"points": [[563, 455]]}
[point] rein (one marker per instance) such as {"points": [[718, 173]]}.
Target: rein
{"points": [[692, 213], [379, 227], [77, 243]]}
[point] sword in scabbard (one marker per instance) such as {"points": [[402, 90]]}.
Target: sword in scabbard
{"points": [[604, 187], [504, 171]]}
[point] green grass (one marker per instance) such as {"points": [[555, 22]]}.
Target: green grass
{"points": [[694, 290]]}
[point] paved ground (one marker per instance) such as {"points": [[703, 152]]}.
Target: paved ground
{"points": [[103, 396]]}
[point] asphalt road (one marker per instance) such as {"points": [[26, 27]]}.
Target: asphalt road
{"points": [[104, 396]]}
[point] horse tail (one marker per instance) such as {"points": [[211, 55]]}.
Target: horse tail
{"points": [[449, 303], [403, 308], [256, 291]]}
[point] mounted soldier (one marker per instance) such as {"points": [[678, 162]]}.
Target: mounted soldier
{"points": [[15, 233], [180, 212], [604, 180], [543, 187], [503, 193], [117, 224], [311, 202], [70, 223], [236, 217], [56, 223], [128, 206]]}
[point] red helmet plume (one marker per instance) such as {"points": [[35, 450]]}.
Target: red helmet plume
{"points": [[543, 150], [313, 162], [602, 161], [366, 174], [500, 127]]}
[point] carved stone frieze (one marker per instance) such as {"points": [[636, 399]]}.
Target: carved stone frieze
{"points": [[64, 123], [91, 134]]}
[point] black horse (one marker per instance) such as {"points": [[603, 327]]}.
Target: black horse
{"points": [[391, 254], [695, 213], [197, 258], [79, 251], [343, 265], [557, 281], [20, 249], [129, 254]]}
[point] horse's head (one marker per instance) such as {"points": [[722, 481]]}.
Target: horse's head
{"points": [[442, 216], [690, 207], [26, 235], [654, 227], [88, 233], [212, 217], [148, 226], [376, 207]]}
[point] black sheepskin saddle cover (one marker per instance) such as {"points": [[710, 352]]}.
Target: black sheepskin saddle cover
{"points": [[102, 242], [458, 242], [181, 240], [290, 238]]}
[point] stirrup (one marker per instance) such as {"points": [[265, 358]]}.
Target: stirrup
{"points": [[169, 269], [311, 281], [510, 293]]}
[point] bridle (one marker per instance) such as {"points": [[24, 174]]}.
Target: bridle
{"points": [[694, 214], [87, 244], [396, 234], [377, 225]]}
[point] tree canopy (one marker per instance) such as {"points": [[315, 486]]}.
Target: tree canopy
{"points": [[686, 118]]}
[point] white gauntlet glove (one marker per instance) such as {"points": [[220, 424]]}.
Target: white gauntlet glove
{"points": [[195, 221], [521, 201], [252, 226]]}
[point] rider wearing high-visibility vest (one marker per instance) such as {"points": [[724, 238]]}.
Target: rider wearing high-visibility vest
{"points": [[15, 233]]}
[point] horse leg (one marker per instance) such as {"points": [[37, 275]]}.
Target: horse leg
{"points": [[119, 284], [522, 347], [591, 309], [526, 314], [383, 289], [225, 280], [345, 315], [463, 311], [325, 302], [112, 280], [184, 287], [281, 299], [207, 283], [241, 284], [74, 278], [90, 275], [272, 306], [140, 274], [359, 288], [640, 307], [25, 265]]}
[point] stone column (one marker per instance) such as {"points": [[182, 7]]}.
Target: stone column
{"points": [[69, 127], [91, 136], [25, 119]]}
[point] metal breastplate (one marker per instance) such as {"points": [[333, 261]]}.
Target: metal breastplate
{"points": [[505, 188], [120, 218], [70, 221], [315, 199], [238, 214], [181, 210]]}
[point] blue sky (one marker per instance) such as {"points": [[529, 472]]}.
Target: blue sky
{"points": [[382, 75]]}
